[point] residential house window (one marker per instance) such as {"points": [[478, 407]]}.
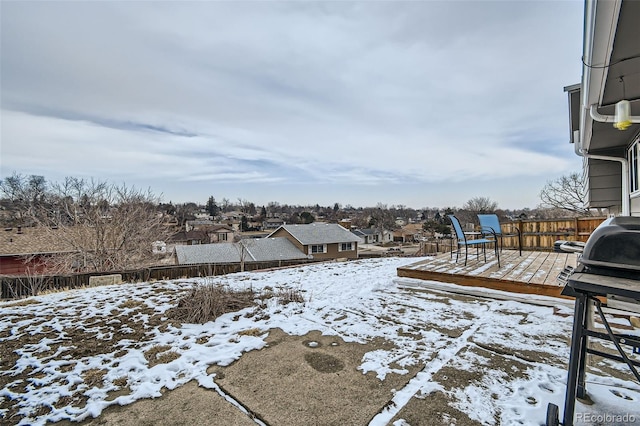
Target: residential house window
{"points": [[634, 167], [318, 248], [345, 247], [222, 236]]}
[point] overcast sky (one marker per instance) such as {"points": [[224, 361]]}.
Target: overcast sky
{"points": [[421, 103]]}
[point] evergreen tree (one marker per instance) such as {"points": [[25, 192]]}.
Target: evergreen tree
{"points": [[212, 207]]}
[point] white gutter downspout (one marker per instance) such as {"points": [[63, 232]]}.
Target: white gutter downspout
{"points": [[587, 104], [626, 198], [596, 116]]}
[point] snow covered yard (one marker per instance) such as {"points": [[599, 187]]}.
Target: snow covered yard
{"points": [[477, 360]]}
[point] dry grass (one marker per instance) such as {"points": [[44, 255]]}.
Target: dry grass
{"points": [[205, 303], [251, 332], [120, 382], [24, 302], [152, 354], [167, 357], [160, 354], [94, 377], [289, 295], [131, 304]]}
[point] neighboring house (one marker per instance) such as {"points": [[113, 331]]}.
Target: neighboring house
{"points": [[373, 236], [360, 234], [272, 223], [252, 250], [220, 234], [321, 240], [203, 215], [345, 223], [408, 233], [199, 225], [23, 250], [610, 76], [189, 238], [400, 221]]}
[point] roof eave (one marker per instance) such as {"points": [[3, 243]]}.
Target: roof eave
{"points": [[600, 24]]}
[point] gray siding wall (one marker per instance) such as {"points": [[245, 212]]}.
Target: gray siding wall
{"points": [[604, 183]]}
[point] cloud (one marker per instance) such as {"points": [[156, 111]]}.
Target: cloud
{"points": [[315, 93]]}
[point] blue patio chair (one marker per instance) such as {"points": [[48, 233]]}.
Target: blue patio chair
{"points": [[490, 227], [478, 242]]}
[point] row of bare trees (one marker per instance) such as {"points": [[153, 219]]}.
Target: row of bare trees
{"points": [[96, 226]]}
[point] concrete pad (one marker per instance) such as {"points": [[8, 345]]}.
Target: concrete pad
{"points": [[309, 380], [187, 405]]}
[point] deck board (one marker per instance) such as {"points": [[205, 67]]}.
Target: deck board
{"points": [[532, 272]]}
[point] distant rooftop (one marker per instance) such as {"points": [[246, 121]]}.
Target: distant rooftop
{"points": [[254, 250], [320, 233]]}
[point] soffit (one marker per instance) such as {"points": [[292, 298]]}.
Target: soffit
{"points": [[625, 63]]}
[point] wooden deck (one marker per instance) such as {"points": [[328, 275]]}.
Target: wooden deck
{"points": [[532, 273]]}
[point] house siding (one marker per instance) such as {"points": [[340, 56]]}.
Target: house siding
{"points": [[332, 249], [635, 206], [604, 183]]}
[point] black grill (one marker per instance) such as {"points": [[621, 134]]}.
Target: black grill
{"points": [[613, 249], [609, 268]]}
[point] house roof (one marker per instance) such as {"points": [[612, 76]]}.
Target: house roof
{"points": [[256, 250], [220, 228], [266, 249], [368, 231], [610, 73], [319, 233], [32, 240], [189, 236], [208, 253], [197, 222]]}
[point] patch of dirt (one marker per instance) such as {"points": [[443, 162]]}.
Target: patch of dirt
{"points": [[434, 408], [324, 363], [67, 347], [451, 377], [524, 354], [431, 410]]}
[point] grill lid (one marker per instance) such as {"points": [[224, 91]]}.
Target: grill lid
{"points": [[614, 244]]}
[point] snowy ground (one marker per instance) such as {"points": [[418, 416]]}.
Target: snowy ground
{"points": [[69, 355]]}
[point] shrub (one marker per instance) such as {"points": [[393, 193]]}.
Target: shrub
{"points": [[205, 303]]}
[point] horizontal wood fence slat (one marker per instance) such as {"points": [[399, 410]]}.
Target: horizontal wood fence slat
{"points": [[24, 286], [536, 235]]}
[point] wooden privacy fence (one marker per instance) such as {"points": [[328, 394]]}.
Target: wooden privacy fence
{"points": [[540, 235], [17, 287], [536, 235]]}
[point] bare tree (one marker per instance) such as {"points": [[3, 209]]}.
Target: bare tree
{"points": [[21, 195], [567, 193], [480, 205], [105, 227], [475, 206], [382, 219], [243, 246]]}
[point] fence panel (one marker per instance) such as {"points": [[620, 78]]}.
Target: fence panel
{"points": [[17, 287]]}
